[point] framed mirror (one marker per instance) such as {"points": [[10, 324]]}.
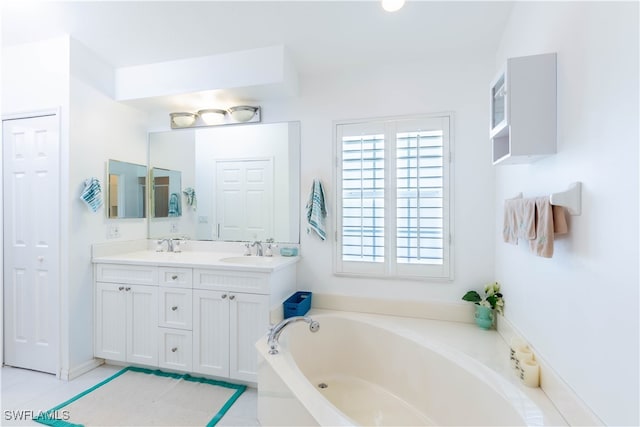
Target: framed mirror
{"points": [[239, 183], [166, 193], [126, 190]]}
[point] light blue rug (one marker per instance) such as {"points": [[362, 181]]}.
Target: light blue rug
{"points": [[144, 397]]}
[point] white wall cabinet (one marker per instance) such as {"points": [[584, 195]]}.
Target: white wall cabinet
{"points": [[201, 320], [126, 323], [523, 116]]}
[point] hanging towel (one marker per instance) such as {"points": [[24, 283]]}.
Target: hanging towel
{"points": [[519, 220], [174, 204], [550, 220], [191, 197], [92, 194], [316, 210]]}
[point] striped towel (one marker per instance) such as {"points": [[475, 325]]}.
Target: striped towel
{"points": [[191, 197], [92, 194], [174, 205], [316, 210]]}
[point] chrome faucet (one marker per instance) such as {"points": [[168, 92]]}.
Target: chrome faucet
{"points": [[276, 330], [169, 244], [259, 251]]}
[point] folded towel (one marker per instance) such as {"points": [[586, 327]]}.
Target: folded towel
{"points": [[191, 197], [92, 194], [316, 210], [519, 220], [174, 204]]}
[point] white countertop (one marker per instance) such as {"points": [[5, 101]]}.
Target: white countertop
{"points": [[199, 259]]}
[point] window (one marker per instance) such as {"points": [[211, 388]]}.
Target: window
{"points": [[393, 196]]}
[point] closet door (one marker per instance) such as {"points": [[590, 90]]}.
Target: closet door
{"points": [[31, 226]]}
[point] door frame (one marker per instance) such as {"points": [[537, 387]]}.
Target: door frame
{"points": [[63, 177]]}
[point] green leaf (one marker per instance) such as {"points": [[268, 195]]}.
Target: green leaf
{"points": [[492, 300], [472, 296]]}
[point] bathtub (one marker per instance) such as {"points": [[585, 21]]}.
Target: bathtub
{"points": [[377, 370]]}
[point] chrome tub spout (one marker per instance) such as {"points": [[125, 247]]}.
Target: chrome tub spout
{"points": [[276, 330]]}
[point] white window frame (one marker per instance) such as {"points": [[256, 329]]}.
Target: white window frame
{"points": [[390, 268]]}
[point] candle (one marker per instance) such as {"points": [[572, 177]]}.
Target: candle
{"points": [[514, 343], [530, 373], [523, 353]]}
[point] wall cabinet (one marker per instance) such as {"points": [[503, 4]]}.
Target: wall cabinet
{"points": [[201, 320], [523, 109]]}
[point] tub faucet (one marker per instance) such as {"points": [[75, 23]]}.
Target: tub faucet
{"points": [[274, 331]]}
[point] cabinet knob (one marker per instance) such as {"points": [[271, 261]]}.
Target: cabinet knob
{"points": [[174, 277], [224, 296], [120, 288], [128, 288], [174, 349], [174, 308], [232, 297]]}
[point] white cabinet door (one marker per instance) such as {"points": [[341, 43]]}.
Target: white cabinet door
{"points": [[175, 308], [248, 322], [110, 338], [211, 332], [142, 324]]}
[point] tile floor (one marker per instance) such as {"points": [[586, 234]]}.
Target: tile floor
{"points": [[25, 391]]}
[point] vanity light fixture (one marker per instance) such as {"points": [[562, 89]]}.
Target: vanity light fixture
{"points": [[182, 120], [212, 116], [392, 5], [216, 117], [243, 113]]}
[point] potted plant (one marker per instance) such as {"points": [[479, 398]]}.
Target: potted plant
{"points": [[485, 306]]}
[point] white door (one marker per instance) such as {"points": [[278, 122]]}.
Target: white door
{"points": [[244, 199], [248, 322], [31, 210]]}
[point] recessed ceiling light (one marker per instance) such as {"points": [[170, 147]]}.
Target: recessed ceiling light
{"points": [[392, 5]]}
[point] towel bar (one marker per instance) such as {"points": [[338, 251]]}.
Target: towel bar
{"points": [[570, 199]]}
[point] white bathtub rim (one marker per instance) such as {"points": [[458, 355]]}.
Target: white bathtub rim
{"points": [[285, 364]]}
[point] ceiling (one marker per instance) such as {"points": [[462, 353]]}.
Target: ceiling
{"points": [[320, 36]]}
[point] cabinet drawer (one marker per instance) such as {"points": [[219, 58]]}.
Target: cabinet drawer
{"points": [[176, 277], [221, 280], [175, 308], [175, 349], [122, 273]]}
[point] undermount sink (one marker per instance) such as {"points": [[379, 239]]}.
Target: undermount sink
{"points": [[249, 260]]}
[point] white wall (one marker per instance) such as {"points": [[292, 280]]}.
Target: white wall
{"points": [[442, 84], [100, 129], [579, 309]]}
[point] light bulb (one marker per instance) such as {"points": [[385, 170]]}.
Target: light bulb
{"points": [[392, 5]]}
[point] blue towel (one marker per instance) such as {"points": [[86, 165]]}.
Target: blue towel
{"points": [[174, 204], [191, 197], [92, 194], [316, 210]]}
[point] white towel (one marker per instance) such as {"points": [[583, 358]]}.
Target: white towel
{"points": [[192, 200], [92, 194], [316, 210]]}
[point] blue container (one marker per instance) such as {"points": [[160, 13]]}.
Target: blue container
{"points": [[297, 304]]}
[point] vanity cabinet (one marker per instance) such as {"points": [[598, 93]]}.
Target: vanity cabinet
{"points": [[229, 320], [523, 109], [126, 323], [201, 320]]}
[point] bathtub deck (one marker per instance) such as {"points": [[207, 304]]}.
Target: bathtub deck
{"points": [[368, 404]]}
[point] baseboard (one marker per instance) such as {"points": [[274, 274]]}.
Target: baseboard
{"points": [[75, 372], [572, 408]]}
